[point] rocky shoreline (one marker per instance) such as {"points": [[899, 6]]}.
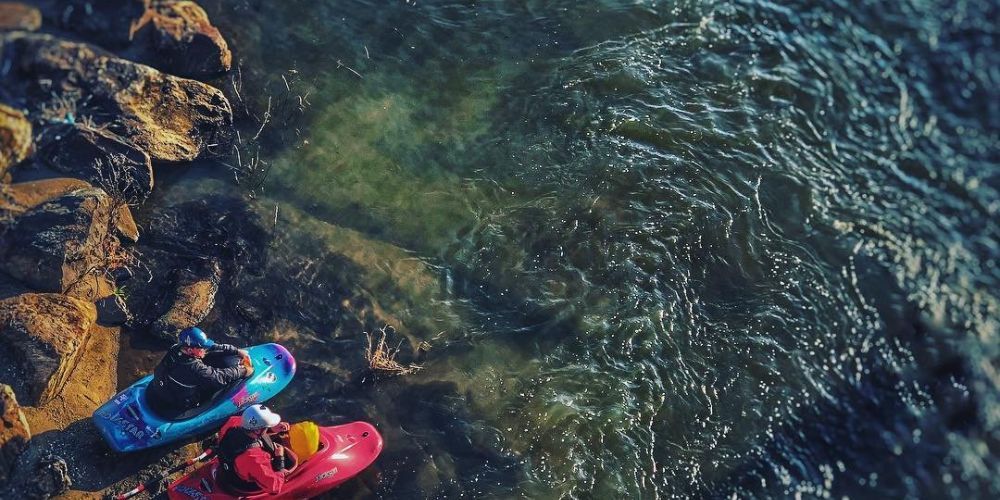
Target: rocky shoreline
{"points": [[109, 248], [83, 123], [97, 99]]}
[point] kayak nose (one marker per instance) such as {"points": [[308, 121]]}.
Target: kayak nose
{"points": [[283, 359]]}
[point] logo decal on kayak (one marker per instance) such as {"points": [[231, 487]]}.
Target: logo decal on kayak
{"points": [[129, 427], [326, 475], [242, 399], [190, 492]]}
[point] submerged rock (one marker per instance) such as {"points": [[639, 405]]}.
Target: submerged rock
{"points": [[57, 244], [101, 157], [18, 16], [15, 137], [14, 431], [172, 119], [44, 335]]}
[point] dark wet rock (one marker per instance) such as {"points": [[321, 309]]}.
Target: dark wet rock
{"points": [[18, 16], [220, 227], [193, 299], [113, 310], [51, 478], [15, 137], [100, 157], [191, 249], [177, 37], [43, 337], [172, 119], [14, 431], [59, 243], [106, 22]]}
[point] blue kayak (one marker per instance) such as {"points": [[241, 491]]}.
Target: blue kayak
{"points": [[128, 424]]}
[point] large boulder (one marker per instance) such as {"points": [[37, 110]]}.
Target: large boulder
{"points": [[172, 119], [15, 137], [65, 244], [44, 335], [14, 431], [16, 199], [18, 16], [101, 157]]}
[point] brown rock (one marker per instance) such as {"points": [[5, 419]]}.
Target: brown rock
{"points": [[15, 199], [177, 37], [18, 16], [125, 227], [172, 119], [54, 245], [45, 334], [193, 299], [14, 431], [15, 137], [102, 158]]}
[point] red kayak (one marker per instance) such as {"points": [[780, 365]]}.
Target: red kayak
{"points": [[344, 451]]}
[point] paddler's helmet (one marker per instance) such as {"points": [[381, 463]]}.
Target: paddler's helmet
{"points": [[194, 337], [259, 417]]}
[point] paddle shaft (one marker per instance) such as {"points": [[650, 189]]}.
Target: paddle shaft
{"points": [[145, 486]]}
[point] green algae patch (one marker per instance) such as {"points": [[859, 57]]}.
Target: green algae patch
{"points": [[393, 161]]}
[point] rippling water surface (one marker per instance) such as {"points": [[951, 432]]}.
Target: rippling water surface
{"points": [[679, 248]]}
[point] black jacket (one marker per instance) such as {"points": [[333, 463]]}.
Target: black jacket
{"points": [[181, 382]]}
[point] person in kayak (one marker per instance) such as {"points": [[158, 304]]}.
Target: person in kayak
{"points": [[183, 380], [250, 459]]}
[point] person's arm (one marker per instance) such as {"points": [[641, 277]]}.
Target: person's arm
{"points": [[220, 377], [229, 348], [255, 465], [278, 429]]}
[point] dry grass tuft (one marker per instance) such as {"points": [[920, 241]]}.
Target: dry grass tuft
{"points": [[382, 358]]}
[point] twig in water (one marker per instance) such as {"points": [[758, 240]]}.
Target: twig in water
{"points": [[267, 116], [340, 64], [382, 358]]}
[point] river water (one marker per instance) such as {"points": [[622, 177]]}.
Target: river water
{"points": [[677, 248]]}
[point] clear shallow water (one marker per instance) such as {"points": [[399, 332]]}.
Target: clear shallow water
{"points": [[678, 249]]}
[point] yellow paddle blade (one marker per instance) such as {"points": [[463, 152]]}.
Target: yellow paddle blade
{"points": [[304, 439]]}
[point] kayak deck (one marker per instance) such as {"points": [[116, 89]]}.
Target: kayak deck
{"points": [[345, 451]]}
